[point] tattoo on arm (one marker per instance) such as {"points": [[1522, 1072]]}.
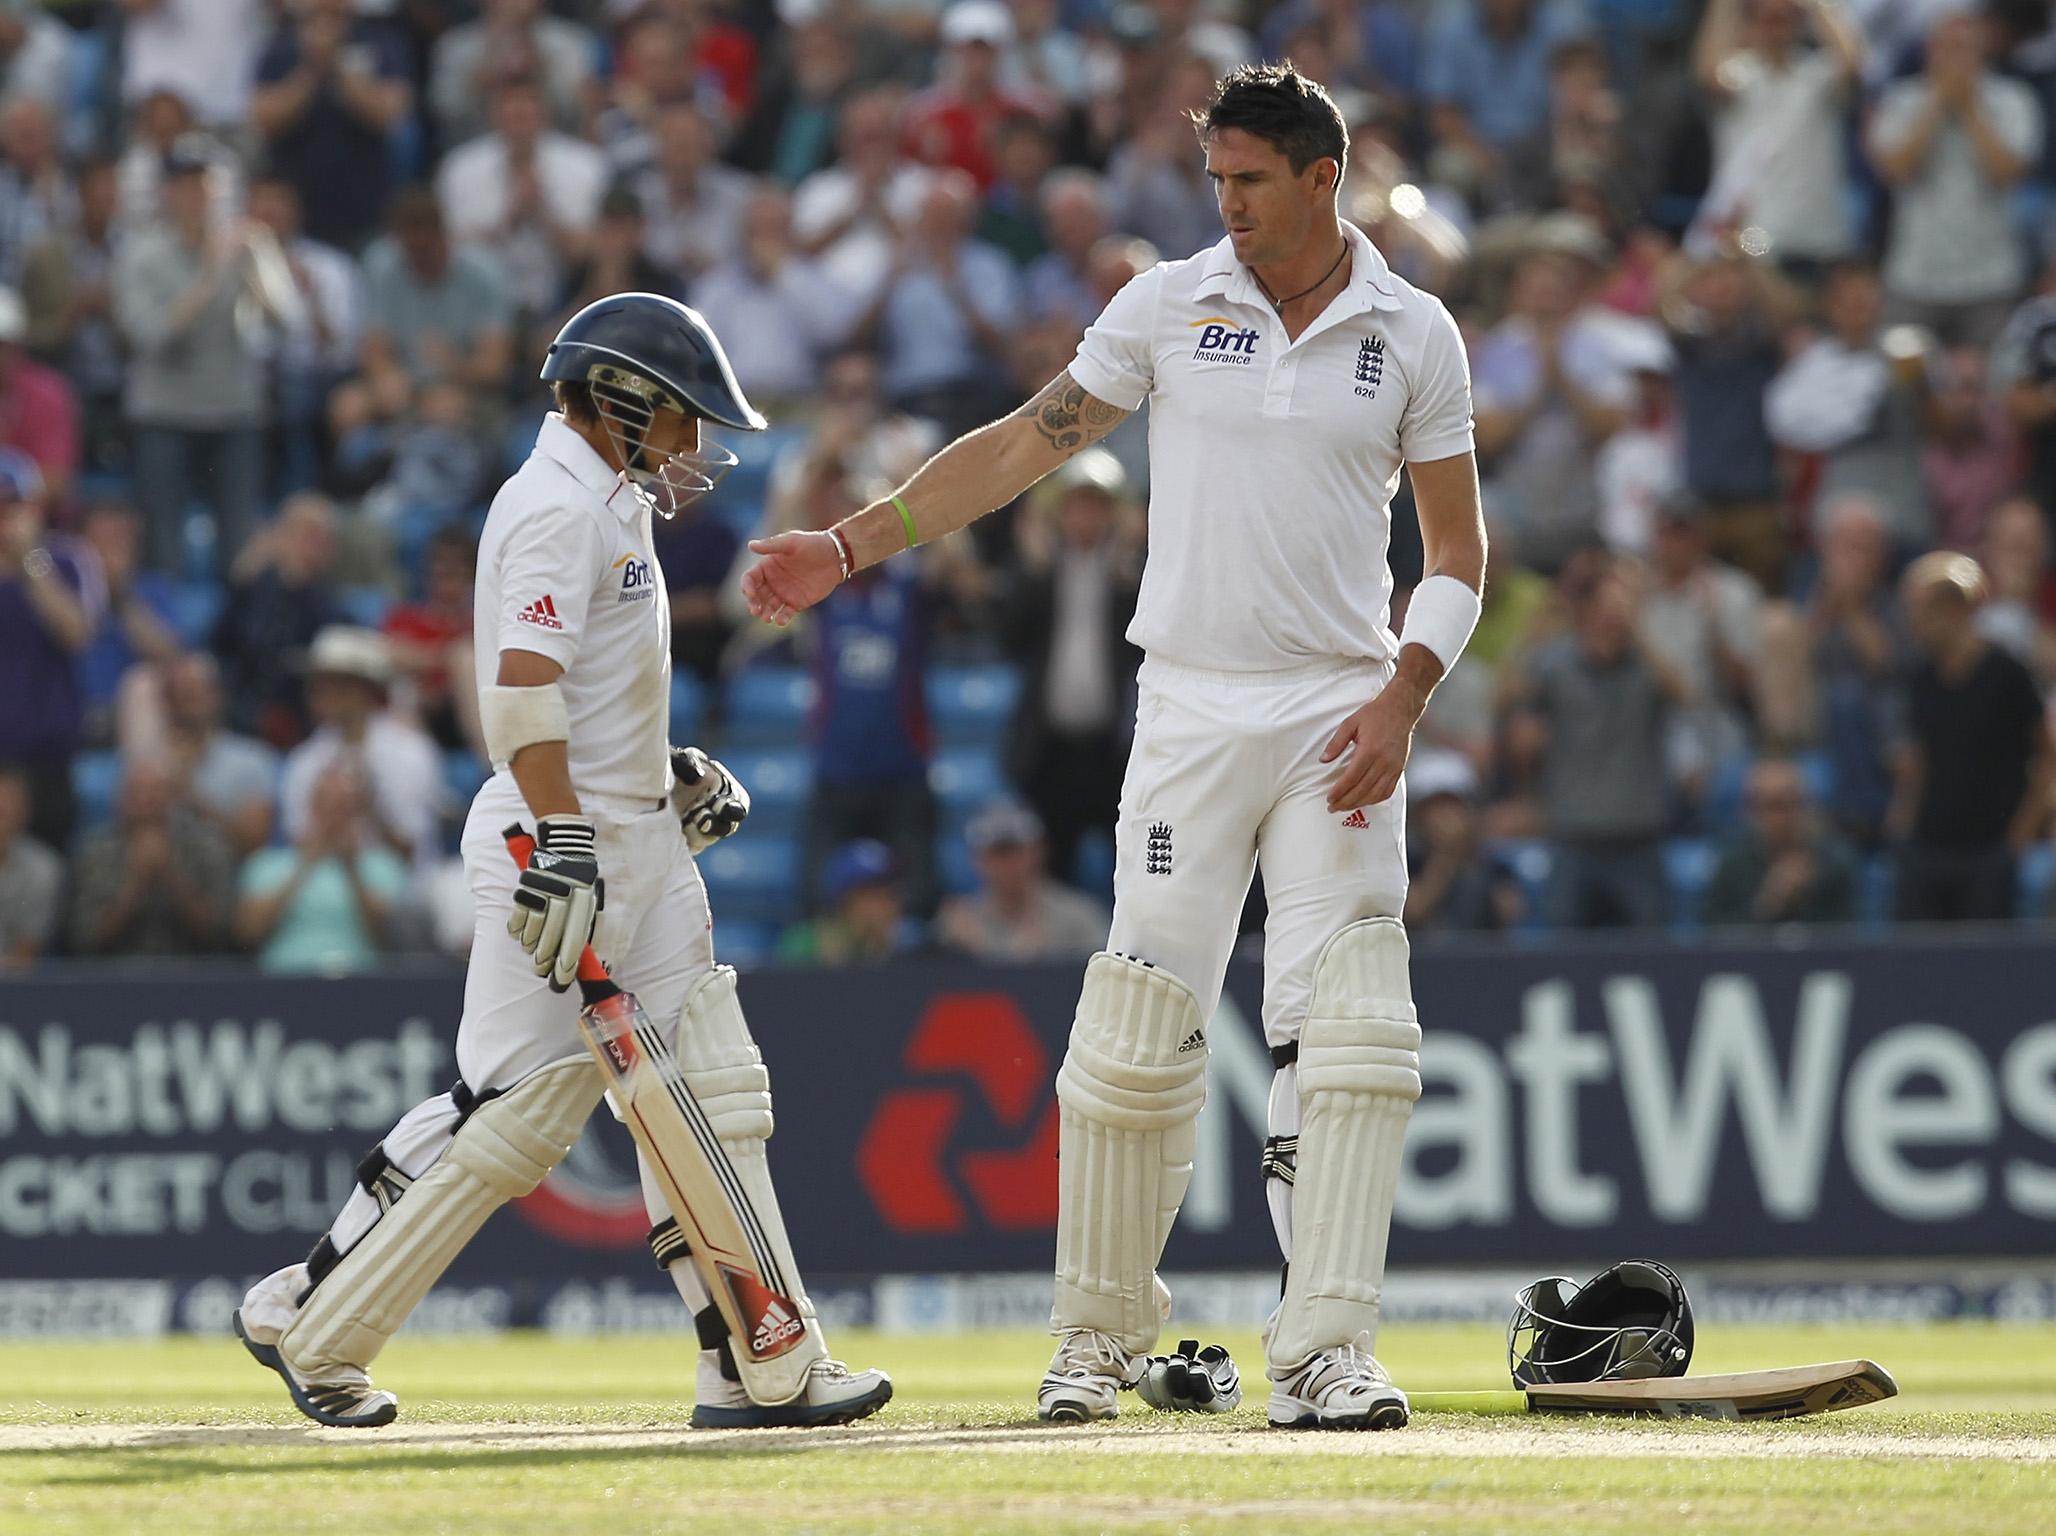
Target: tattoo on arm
{"points": [[1069, 417]]}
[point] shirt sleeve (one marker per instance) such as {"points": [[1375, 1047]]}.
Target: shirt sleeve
{"points": [[1896, 112], [2016, 117], [267, 870], [547, 571], [1437, 420], [1117, 358]]}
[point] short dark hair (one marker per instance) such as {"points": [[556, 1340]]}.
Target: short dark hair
{"points": [[575, 400], [1276, 103]]}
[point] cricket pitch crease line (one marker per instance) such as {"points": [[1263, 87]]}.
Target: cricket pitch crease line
{"points": [[1511, 1441]]}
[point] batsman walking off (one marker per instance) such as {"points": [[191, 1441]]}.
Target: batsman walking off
{"points": [[574, 680], [1290, 375]]}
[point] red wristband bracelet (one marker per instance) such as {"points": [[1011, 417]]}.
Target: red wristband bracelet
{"points": [[848, 555]]}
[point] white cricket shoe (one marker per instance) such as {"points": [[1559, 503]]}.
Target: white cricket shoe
{"points": [[834, 1394], [1194, 1380], [344, 1397], [1341, 1387], [1086, 1374]]}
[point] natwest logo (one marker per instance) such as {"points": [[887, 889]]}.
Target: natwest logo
{"points": [[907, 1158]]}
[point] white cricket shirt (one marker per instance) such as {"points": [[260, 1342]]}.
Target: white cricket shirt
{"points": [[566, 569], [1272, 463]]}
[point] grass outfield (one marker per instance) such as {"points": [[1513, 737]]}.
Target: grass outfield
{"points": [[568, 1436]]}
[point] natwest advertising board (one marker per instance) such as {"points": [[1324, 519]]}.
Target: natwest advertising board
{"points": [[1697, 1104]]}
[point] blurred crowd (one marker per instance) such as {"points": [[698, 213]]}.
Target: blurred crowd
{"points": [[1761, 304]]}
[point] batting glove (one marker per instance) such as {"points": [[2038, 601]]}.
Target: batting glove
{"points": [[557, 901], [710, 803]]}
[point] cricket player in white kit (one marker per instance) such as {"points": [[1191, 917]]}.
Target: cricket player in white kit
{"points": [[574, 679], [1290, 375]]}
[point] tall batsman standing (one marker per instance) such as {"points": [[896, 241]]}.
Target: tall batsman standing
{"points": [[1290, 375], [574, 681]]}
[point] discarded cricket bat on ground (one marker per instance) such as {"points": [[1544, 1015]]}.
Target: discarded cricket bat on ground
{"points": [[1790, 1393]]}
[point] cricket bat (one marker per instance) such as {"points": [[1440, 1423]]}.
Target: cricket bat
{"points": [[724, 1238], [1790, 1393]]}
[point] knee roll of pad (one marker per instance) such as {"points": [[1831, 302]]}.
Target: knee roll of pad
{"points": [[720, 1061], [1131, 1087], [1359, 1075], [502, 1151]]}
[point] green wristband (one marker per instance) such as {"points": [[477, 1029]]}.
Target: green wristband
{"points": [[906, 521]]}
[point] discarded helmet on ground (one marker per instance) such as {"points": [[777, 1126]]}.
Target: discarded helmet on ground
{"points": [[1624, 1324]]}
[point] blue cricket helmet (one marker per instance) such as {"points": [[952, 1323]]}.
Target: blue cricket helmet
{"points": [[670, 351], [639, 353]]}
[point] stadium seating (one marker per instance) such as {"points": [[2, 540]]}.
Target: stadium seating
{"points": [[365, 607], [956, 865], [1688, 866], [971, 705], [778, 781], [196, 606], [767, 707], [965, 779], [688, 709], [753, 879], [95, 782], [743, 944]]}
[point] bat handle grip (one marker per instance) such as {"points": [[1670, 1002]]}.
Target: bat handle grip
{"points": [[593, 979]]}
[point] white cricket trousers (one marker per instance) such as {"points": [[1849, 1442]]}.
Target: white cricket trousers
{"points": [[655, 934], [1225, 775]]}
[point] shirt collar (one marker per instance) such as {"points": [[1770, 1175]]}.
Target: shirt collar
{"points": [[1371, 283], [556, 440]]}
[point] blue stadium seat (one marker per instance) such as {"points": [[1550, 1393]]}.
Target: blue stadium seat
{"points": [[965, 779], [743, 518], [744, 945], [688, 709], [1819, 771], [779, 783], [1874, 894], [767, 707], [366, 607], [1095, 872], [753, 878], [958, 869], [462, 776], [197, 544], [1530, 861], [1688, 865], [2037, 880], [196, 606], [971, 706], [95, 781]]}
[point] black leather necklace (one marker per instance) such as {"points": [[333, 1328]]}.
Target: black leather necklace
{"points": [[1278, 303]]}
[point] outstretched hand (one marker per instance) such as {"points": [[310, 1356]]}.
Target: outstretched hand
{"points": [[793, 572]]}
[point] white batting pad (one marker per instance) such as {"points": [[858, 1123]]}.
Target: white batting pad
{"points": [[1131, 1088], [1359, 1075], [721, 1065], [503, 1151]]}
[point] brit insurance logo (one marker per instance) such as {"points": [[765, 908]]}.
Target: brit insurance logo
{"points": [[635, 579], [1221, 342]]}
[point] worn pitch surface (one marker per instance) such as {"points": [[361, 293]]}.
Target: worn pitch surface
{"points": [[535, 1434]]}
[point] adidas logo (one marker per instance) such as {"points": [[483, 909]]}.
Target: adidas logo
{"points": [[1196, 1041], [775, 1326], [1355, 819], [542, 613]]}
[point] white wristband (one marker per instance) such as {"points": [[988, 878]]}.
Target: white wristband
{"points": [[513, 718], [1441, 617]]}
